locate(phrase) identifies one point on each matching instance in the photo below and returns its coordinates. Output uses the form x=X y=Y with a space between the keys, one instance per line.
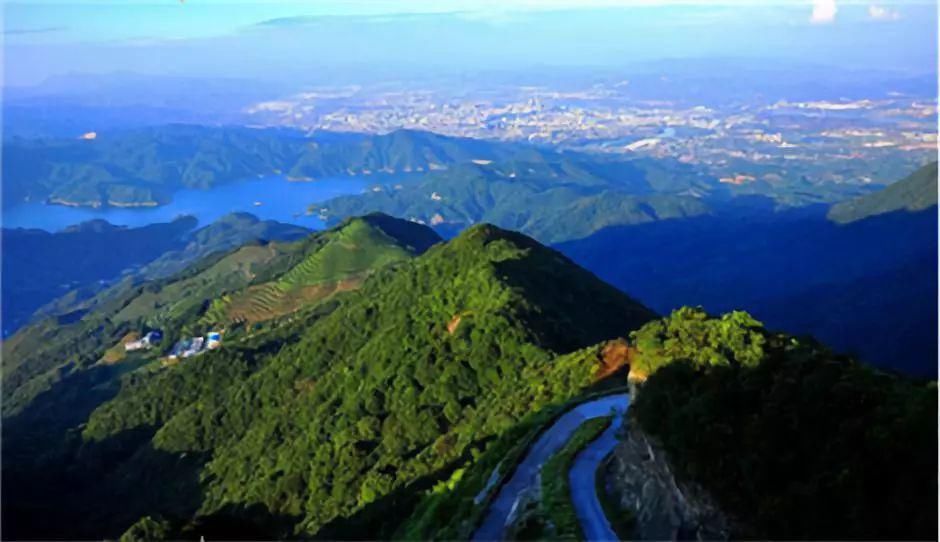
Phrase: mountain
x=145 y=166
x=916 y=192
x=864 y=287
x=350 y=406
x=39 y=266
x=552 y=198
x=305 y=270
x=56 y=271
x=793 y=441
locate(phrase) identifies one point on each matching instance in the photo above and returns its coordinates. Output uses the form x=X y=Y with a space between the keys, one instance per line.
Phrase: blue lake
x=273 y=198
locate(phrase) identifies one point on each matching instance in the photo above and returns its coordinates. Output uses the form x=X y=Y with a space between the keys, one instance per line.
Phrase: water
x=279 y=199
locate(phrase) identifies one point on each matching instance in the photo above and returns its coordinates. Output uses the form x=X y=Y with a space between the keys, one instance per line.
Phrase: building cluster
x=193 y=346
x=798 y=137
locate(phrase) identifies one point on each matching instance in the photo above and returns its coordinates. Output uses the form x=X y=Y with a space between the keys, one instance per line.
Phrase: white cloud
x=824 y=11
x=880 y=13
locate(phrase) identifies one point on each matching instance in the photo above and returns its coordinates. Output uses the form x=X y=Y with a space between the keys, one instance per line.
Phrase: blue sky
x=44 y=38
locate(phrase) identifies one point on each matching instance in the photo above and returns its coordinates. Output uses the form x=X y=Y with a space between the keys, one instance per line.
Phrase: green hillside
x=38 y=355
x=144 y=167
x=358 y=247
x=794 y=441
x=915 y=192
x=170 y=252
x=554 y=200
x=349 y=408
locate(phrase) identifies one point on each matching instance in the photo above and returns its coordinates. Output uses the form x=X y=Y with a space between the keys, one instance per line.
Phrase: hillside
x=144 y=167
x=46 y=351
x=797 y=443
x=556 y=199
x=796 y=270
x=351 y=407
x=916 y=192
x=57 y=271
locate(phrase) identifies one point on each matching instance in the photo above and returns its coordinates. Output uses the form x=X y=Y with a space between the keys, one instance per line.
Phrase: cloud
x=824 y=11
x=880 y=13
x=21 y=31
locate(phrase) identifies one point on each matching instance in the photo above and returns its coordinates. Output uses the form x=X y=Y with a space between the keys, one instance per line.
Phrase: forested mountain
x=261 y=279
x=563 y=197
x=40 y=267
x=383 y=409
x=143 y=167
x=794 y=441
x=916 y=192
x=350 y=405
x=867 y=287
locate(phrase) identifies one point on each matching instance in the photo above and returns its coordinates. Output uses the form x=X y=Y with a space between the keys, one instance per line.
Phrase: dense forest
x=383 y=409
x=352 y=406
x=794 y=440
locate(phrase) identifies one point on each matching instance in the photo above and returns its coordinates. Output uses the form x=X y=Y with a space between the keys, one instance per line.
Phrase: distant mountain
x=40 y=267
x=916 y=192
x=550 y=197
x=353 y=404
x=145 y=166
x=866 y=287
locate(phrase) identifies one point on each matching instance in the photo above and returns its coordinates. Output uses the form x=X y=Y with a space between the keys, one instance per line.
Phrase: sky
x=299 y=39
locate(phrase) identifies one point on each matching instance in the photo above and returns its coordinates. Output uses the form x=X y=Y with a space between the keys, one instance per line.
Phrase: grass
x=557 y=507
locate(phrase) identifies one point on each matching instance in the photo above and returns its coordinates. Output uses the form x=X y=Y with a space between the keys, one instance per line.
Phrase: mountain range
x=53 y=272
x=427 y=359
x=380 y=409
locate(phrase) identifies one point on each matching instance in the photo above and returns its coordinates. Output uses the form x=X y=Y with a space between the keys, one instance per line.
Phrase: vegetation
x=57 y=273
x=335 y=420
x=556 y=506
x=793 y=270
x=916 y=192
x=146 y=166
x=551 y=198
x=801 y=444
x=689 y=334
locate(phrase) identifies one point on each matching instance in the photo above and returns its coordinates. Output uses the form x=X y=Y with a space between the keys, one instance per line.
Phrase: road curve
x=549 y=442
x=587 y=506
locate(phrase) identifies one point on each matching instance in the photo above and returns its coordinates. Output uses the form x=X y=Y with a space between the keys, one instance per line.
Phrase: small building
x=145 y=342
x=195 y=347
x=214 y=340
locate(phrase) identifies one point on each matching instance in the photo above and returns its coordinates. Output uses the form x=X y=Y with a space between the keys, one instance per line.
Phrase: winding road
x=584 y=498
x=587 y=506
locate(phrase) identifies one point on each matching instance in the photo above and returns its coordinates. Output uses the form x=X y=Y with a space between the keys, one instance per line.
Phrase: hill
x=916 y=192
x=42 y=353
x=56 y=271
x=794 y=441
x=145 y=166
x=351 y=407
x=549 y=197
x=863 y=287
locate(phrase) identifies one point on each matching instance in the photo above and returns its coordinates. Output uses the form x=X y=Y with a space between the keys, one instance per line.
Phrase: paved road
x=587 y=507
x=550 y=441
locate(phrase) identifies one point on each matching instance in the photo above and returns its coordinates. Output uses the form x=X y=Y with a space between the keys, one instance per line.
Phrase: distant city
x=738 y=142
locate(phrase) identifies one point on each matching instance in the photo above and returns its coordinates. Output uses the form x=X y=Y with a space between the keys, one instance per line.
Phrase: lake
x=279 y=199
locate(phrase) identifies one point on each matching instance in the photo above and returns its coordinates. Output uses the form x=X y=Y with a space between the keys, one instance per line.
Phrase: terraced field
x=340 y=264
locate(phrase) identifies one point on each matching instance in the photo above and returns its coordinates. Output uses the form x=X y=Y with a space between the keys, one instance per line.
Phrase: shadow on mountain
x=795 y=270
x=56 y=485
x=240 y=522
x=379 y=519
